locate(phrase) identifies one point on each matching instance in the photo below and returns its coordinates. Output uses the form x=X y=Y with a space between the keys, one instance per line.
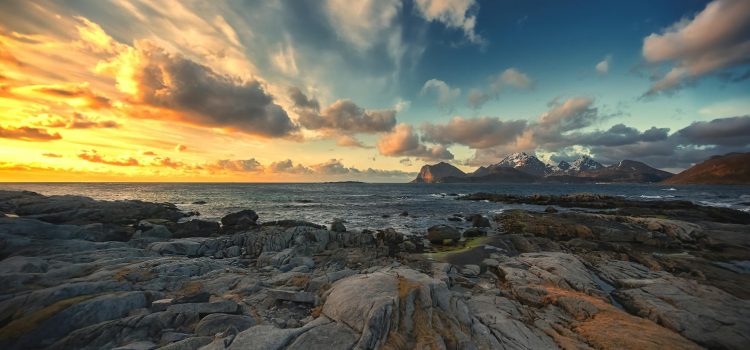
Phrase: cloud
x=73 y=94
x=93 y=157
x=200 y=95
x=511 y=77
x=403 y=141
x=180 y=148
x=26 y=133
x=363 y=23
x=574 y=113
x=79 y=121
x=477 y=98
x=460 y=14
x=446 y=96
x=169 y=163
x=733 y=131
x=603 y=66
x=346 y=117
x=481 y=132
x=149 y=153
x=332 y=167
x=350 y=141
x=52 y=155
x=716 y=38
x=239 y=165
x=287 y=166
x=301 y=101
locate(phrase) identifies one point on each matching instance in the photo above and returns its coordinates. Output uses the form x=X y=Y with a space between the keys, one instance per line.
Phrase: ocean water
x=373 y=206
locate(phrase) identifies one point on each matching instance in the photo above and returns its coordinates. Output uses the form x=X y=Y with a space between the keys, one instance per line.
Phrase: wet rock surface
x=83 y=274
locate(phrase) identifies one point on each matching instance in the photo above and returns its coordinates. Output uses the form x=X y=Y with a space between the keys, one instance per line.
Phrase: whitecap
x=669 y=189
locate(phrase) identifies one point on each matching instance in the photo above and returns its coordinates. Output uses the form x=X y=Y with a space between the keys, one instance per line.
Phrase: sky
x=369 y=90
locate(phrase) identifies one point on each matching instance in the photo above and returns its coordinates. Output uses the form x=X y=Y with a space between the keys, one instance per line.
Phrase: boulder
x=478 y=220
x=474 y=232
x=439 y=233
x=288 y=295
x=196 y=228
x=550 y=210
x=239 y=221
x=338 y=226
x=176 y=247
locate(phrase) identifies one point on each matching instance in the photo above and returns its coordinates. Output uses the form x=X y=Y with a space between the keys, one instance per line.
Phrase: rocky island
x=579 y=271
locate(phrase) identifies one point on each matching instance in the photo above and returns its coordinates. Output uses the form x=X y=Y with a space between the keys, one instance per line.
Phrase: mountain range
x=522 y=167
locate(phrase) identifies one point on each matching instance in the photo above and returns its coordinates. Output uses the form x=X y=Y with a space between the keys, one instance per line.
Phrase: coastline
x=82 y=273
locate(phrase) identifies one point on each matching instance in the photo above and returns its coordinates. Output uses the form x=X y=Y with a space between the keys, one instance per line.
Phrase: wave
x=716 y=204
x=669 y=189
x=656 y=196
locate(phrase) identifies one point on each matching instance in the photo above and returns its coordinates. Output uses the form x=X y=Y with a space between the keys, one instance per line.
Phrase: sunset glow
x=363 y=90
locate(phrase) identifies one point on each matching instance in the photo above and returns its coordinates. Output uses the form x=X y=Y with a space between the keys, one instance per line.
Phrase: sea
x=369 y=205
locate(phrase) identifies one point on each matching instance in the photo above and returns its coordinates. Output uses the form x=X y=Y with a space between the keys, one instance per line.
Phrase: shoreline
x=81 y=273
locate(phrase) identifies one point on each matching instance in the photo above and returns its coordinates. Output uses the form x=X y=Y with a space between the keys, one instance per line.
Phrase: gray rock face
x=23 y=264
x=439 y=233
x=81 y=314
x=705 y=314
x=176 y=247
x=217 y=323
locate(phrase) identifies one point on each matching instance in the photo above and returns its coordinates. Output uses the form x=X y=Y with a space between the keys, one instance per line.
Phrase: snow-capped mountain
x=523 y=162
x=585 y=163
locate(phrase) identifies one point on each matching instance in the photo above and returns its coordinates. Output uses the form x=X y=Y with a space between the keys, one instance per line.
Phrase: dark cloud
x=27 y=133
x=345 y=116
x=733 y=131
x=301 y=101
x=205 y=97
x=476 y=133
x=94 y=157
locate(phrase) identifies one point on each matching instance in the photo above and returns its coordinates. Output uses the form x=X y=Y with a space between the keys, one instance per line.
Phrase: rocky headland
x=584 y=272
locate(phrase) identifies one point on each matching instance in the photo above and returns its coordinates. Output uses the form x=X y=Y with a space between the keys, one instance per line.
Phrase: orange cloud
x=52 y=155
x=27 y=133
x=93 y=157
x=79 y=121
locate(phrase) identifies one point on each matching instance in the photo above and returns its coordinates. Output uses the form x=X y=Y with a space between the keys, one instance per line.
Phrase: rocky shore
x=590 y=272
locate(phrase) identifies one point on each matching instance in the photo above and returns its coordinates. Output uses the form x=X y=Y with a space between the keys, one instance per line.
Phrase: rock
x=297 y=297
x=160 y=305
x=328 y=336
x=705 y=314
x=264 y=337
x=439 y=233
x=216 y=323
x=195 y=228
x=474 y=232
x=23 y=264
x=404 y=213
x=200 y=202
x=224 y=306
x=478 y=220
x=192 y=343
x=148 y=230
x=239 y=221
x=550 y=210
x=138 y=345
x=338 y=226
x=471 y=270
x=200 y=297
x=176 y=247
x=171 y=337
x=72 y=314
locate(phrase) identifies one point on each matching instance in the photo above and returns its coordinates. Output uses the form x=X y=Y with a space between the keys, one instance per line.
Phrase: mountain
x=732 y=168
x=585 y=163
x=525 y=168
x=436 y=172
x=626 y=171
x=520 y=161
x=494 y=174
